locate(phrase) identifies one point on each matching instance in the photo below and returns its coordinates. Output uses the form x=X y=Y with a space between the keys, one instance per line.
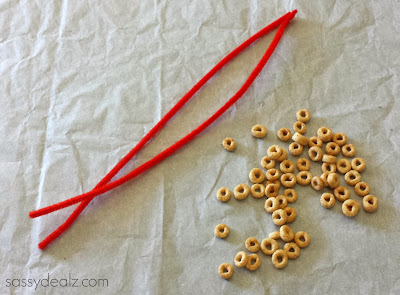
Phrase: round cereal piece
x=253 y=262
x=274 y=151
x=269 y=246
x=224 y=194
x=352 y=177
x=362 y=188
x=324 y=177
x=370 y=203
x=225 y=270
x=290 y=194
x=332 y=149
x=299 y=127
x=300 y=139
x=315 y=153
x=341 y=193
x=284 y=134
x=274 y=235
x=288 y=180
x=279 y=217
x=252 y=244
x=333 y=180
x=292 y=250
x=349 y=150
x=304 y=177
x=302 y=239
x=291 y=214
x=259 y=131
x=221 y=231
x=286 y=166
x=317 y=183
x=350 y=208
x=295 y=149
x=241 y=191
x=286 y=233
x=325 y=134
x=327 y=200
x=267 y=162
x=279 y=258
x=256 y=175
x=343 y=166
x=276 y=182
x=339 y=138
x=241 y=259
x=328 y=167
x=328 y=159
x=283 y=157
x=358 y=164
x=229 y=144
x=271 y=205
x=272 y=174
x=282 y=201
x=271 y=190
x=303 y=164
x=257 y=190
x=303 y=115
x=315 y=141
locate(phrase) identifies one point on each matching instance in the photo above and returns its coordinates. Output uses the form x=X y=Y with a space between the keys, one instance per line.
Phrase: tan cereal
x=221 y=231
x=279 y=217
x=252 y=244
x=286 y=166
x=295 y=149
x=303 y=164
x=299 y=127
x=267 y=162
x=350 y=208
x=327 y=200
x=325 y=134
x=224 y=194
x=352 y=177
x=362 y=188
x=317 y=183
x=253 y=262
x=271 y=190
x=284 y=134
x=303 y=115
x=358 y=164
x=328 y=167
x=279 y=258
x=370 y=203
x=288 y=180
x=282 y=201
x=302 y=239
x=274 y=152
x=286 y=233
x=348 y=150
x=241 y=259
x=225 y=270
x=256 y=175
x=290 y=194
x=333 y=180
x=304 y=177
x=343 y=166
x=315 y=141
x=339 y=138
x=269 y=246
x=241 y=191
x=257 y=190
x=292 y=250
x=229 y=144
x=341 y=193
x=315 y=153
x=271 y=205
x=300 y=139
x=259 y=131
x=332 y=149
x=328 y=159
x=291 y=214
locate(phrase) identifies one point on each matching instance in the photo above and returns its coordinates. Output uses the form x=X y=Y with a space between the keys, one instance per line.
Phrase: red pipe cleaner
x=104 y=185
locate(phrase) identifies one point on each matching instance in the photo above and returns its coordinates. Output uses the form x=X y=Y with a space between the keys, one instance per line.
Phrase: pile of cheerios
x=268 y=183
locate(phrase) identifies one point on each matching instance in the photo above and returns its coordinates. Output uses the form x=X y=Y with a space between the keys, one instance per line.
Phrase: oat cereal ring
x=279 y=258
x=328 y=159
x=286 y=166
x=299 y=127
x=279 y=217
x=256 y=175
x=315 y=153
x=315 y=141
x=341 y=193
x=284 y=134
x=349 y=150
x=325 y=134
x=241 y=259
x=343 y=166
x=274 y=235
x=303 y=164
x=271 y=190
x=276 y=182
x=295 y=149
x=283 y=157
x=317 y=183
x=352 y=177
x=229 y=144
x=362 y=188
x=303 y=115
x=332 y=148
x=324 y=177
x=257 y=190
x=272 y=174
x=302 y=239
x=288 y=180
x=300 y=139
x=252 y=244
x=282 y=201
x=333 y=180
x=253 y=262
x=259 y=131
x=290 y=194
x=223 y=194
x=291 y=214
x=350 y=208
x=328 y=167
x=327 y=200
x=304 y=177
x=225 y=270
x=370 y=203
x=271 y=205
x=267 y=162
x=269 y=246
x=274 y=151
x=221 y=231
x=339 y=138
x=241 y=191
x=292 y=250
x=286 y=233
x=358 y=164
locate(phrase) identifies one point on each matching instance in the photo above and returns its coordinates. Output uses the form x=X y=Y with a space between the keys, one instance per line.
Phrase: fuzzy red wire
x=104 y=185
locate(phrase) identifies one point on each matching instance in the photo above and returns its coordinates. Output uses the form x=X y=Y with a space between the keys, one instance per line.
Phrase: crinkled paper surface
x=83 y=81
